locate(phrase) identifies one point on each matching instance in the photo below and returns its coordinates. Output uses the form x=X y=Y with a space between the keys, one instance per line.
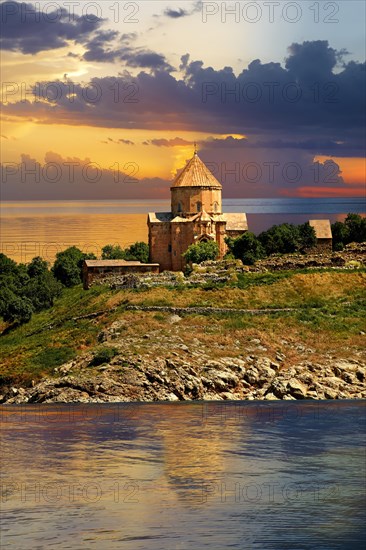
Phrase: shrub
x=352 y=230
x=42 y=291
x=307 y=236
x=283 y=239
x=18 y=310
x=113 y=252
x=246 y=248
x=201 y=252
x=68 y=266
x=138 y=252
x=103 y=355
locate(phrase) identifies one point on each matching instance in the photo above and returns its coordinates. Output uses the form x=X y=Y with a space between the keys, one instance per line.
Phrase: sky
x=105 y=100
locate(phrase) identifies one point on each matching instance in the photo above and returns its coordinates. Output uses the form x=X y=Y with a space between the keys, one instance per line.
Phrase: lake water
x=43 y=228
x=165 y=476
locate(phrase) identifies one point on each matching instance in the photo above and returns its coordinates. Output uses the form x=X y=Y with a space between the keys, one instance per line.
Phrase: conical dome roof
x=196 y=174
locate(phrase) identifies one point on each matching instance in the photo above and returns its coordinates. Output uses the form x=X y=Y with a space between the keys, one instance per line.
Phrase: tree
x=340 y=235
x=356 y=226
x=284 y=239
x=37 y=267
x=138 y=251
x=352 y=230
x=307 y=236
x=113 y=252
x=246 y=248
x=18 y=310
x=43 y=290
x=200 y=252
x=68 y=266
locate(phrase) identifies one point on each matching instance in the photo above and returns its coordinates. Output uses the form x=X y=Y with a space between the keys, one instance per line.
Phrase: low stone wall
x=225 y=271
x=100 y=275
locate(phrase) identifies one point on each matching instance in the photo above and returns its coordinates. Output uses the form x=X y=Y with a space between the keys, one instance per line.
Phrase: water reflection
x=185 y=475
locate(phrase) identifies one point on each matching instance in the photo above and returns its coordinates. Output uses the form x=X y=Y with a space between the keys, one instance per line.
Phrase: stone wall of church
x=160 y=245
x=185 y=200
x=182 y=238
x=220 y=238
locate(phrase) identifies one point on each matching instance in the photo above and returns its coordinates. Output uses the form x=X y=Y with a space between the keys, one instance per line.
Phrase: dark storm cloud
x=96 y=47
x=175 y=14
x=29 y=30
x=298 y=106
x=176 y=142
x=145 y=58
x=110 y=46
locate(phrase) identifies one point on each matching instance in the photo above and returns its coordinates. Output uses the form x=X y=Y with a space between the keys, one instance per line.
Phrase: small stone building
x=97 y=270
x=196 y=216
x=323 y=233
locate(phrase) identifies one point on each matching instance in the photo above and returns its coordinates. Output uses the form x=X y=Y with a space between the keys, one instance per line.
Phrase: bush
x=113 y=252
x=42 y=291
x=201 y=252
x=356 y=228
x=18 y=310
x=307 y=236
x=352 y=230
x=37 y=267
x=246 y=248
x=283 y=239
x=68 y=266
x=103 y=355
x=138 y=252
x=25 y=288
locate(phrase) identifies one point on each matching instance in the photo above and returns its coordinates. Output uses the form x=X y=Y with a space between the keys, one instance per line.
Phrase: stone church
x=196 y=216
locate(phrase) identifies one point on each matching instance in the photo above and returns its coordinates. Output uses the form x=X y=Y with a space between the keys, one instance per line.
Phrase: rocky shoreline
x=254 y=378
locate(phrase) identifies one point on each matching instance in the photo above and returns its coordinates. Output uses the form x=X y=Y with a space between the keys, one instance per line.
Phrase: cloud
x=176 y=142
x=29 y=30
x=145 y=58
x=110 y=47
x=176 y=14
x=273 y=106
x=119 y=141
x=60 y=177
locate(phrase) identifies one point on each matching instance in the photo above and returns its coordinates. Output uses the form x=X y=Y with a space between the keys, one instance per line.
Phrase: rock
x=297 y=389
x=183 y=347
x=172 y=397
x=251 y=375
x=360 y=373
x=270 y=397
x=174 y=319
x=350 y=378
x=278 y=387
x=330 y=393
x=332 y=381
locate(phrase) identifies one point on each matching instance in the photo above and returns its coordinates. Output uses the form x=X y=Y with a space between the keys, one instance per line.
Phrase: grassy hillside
x=328 y=318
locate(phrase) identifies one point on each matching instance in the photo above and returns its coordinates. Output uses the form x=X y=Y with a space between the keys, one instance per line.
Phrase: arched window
x=199 y=206
x=179 y=207
x=216 y=207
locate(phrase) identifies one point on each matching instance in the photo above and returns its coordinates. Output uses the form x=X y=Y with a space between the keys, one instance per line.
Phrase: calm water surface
x=239 y=475
x=43 y=228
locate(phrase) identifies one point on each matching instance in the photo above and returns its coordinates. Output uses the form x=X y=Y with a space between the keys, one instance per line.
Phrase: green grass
x=329 y=307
